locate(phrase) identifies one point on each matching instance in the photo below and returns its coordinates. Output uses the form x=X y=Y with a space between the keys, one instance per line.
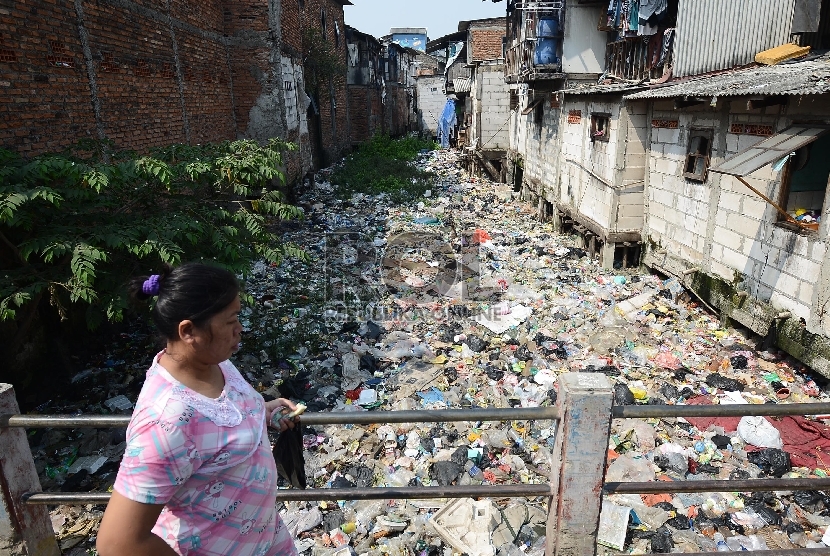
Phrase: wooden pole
x=773 y=203
x=24 y=529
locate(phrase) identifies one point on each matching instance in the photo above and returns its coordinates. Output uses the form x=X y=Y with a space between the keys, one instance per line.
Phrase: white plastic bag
x=759 y=432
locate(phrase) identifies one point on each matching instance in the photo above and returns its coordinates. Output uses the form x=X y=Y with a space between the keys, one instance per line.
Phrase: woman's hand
x=280 y=406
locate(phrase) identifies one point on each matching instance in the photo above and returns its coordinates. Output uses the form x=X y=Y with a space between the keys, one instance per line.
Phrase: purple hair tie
x=151 y=285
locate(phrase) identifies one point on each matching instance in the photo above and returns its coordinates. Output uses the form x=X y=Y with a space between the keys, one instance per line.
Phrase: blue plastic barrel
x=547 y=27
x=545 y=52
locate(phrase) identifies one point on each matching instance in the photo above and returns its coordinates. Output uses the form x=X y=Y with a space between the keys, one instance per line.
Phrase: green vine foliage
x=320 y=61
x=75 y=226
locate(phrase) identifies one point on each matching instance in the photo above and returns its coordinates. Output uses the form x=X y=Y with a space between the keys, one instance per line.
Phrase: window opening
x=108 y=63
x=61 y=56
x=142 y=68
x=600 y=127
x=6 y=54
x=804 y=182
x=539 y=113
x=697 y=154
x=168 y=71
x=323 y=23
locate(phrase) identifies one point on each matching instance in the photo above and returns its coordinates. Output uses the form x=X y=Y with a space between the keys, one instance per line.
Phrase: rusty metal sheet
x=770 y=150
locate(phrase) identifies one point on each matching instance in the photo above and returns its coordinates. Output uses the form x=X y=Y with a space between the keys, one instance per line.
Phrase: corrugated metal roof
x=462 y=84
x=770 y=150
x=718 y=34
x=799 y=78
x=604 y=89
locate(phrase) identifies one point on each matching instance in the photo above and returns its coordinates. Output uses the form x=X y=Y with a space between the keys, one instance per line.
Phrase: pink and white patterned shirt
x=209 y=462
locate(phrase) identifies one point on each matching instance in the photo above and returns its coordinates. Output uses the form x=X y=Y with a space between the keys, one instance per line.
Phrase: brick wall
x=149 y=77
x=486 y=44
x=332 y=102
x=42 y=78
x=152 y=72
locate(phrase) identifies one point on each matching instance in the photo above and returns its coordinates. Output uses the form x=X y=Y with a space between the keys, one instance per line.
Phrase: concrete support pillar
x=607 y=255
x=24 y=530
x=556 y=219
x=578 y=464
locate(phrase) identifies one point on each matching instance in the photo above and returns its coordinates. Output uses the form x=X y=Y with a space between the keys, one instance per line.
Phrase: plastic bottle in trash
x=721 y=543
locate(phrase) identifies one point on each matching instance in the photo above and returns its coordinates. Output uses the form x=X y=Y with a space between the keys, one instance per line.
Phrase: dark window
x=600 y=127
x=697 y=154
x=323 y=23
x=539 y=113
x=804 y=182
x=301 y=4
x=514 y=100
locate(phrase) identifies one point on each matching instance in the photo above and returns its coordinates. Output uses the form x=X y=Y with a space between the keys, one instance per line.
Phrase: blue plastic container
x=545 y=52
x=547 y=27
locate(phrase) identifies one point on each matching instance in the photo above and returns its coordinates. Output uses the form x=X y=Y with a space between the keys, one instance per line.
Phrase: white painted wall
x=583 y=47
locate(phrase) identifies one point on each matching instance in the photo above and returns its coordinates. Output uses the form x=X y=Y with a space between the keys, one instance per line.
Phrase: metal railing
x=313 y=419
x=519 y=66
x=584 y=401
x=628 y=59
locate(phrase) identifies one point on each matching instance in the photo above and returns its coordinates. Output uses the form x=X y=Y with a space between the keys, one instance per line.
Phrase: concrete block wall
x=590 y=166
x=678 y=208
x=491 y=99
x=429 y=92
x=537 y=145
x=725 y=228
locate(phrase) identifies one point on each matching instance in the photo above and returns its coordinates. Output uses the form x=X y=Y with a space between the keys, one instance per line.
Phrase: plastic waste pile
x=463 y=299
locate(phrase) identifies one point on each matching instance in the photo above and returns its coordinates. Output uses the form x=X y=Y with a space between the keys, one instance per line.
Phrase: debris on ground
x=464 y=299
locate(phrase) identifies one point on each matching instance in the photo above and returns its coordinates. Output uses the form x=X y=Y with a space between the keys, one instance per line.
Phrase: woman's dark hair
x=192 y=291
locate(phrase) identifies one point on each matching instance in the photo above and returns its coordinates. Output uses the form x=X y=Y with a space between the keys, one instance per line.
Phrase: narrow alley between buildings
x=627 y=193
x=460 y=299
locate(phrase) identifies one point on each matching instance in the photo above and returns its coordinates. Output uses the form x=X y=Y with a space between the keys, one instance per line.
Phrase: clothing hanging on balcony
x=668 y=39
x=626 y=17
x=651 y=14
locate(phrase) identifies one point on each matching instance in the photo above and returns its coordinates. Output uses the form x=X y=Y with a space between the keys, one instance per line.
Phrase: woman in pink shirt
x=198 y=477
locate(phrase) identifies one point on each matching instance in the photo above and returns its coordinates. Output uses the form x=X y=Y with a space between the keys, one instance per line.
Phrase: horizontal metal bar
x=333 y=418
x=721 y=410
x=64 y=421
x=432 y=416
x=313 y=494
x=748 y=485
